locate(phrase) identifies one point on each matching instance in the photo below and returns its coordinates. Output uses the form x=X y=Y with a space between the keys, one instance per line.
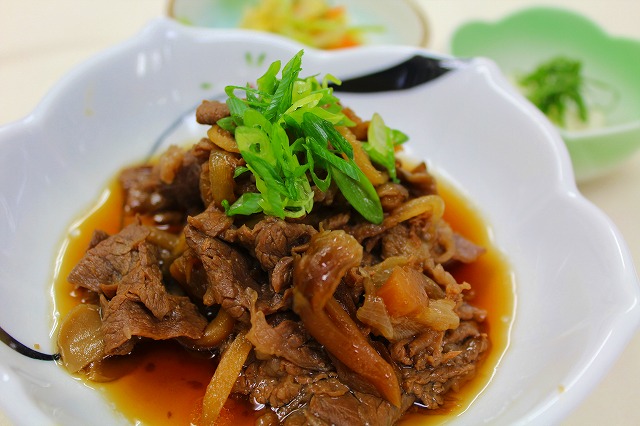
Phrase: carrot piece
x=403 y=293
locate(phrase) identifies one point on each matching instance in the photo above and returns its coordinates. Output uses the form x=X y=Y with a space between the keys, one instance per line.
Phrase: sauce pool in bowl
x=161 y=383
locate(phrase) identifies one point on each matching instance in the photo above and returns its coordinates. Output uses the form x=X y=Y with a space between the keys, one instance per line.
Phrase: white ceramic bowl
x=576 y=289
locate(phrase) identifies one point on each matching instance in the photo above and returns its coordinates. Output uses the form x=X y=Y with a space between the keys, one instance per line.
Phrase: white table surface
x=41 y=40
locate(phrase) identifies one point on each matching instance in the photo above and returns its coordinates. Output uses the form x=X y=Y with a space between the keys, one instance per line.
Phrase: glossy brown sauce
x=162 y=384
x=493 y=286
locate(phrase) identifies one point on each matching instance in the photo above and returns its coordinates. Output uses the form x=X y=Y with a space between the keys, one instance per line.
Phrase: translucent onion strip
x=373 y=313
x=223 y=379
x=80 y=337
x=223 y=139
x=221 y=169
x=375 y=176
x=216 y=332
x=433 y=204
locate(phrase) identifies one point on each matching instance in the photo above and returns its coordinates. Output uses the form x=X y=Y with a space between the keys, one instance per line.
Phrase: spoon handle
x=414 y=71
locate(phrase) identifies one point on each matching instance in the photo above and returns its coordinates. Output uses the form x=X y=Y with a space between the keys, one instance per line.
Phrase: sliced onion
x=80 y=338
x=221 y=169
x=440 y=315
x=432 y=204
x=169 y=163
x=224 y=378
x=375 y=176
x=316 y=275
x=223 y=139
x=373 y=313
x=215 y=333
x=379 y=273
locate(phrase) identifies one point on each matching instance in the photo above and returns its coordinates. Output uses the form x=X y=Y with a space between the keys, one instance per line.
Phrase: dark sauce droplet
x=194 y=384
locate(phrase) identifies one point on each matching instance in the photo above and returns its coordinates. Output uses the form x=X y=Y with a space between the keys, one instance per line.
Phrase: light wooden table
x=42 y=40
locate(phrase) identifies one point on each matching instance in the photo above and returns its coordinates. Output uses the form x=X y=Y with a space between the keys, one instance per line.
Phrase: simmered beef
x=170 y=187
x=302 y=397
x=419 y=181
x=431 y=377
x=392 y=195
x=209 y=112
x=229 y=273
x=110 y=260
x=124 y=320
x=143 y=283
x=285 y=386
x=124 y=270
x=273 y=239
x=354 y=408
x=465 y=250
x=211 y=222
x=328 y=319
x=288 y=340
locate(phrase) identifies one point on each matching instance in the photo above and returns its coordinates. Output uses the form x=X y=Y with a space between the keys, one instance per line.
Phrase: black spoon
x=413 y=72
x=7 y=339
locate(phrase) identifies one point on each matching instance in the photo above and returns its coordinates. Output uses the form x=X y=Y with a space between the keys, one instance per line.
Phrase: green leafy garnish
x=286 y=132
x=381 y=144
x=554 y=86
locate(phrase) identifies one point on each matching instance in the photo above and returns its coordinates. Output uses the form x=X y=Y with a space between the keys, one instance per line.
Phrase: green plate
x=522 y=41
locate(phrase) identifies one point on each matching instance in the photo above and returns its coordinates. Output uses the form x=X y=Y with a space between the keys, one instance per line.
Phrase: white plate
x=394 y=22
x=577 y=292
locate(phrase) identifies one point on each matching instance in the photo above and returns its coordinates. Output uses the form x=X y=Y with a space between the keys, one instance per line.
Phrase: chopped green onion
x=381 y=146
x=285 y=131
x=554 y=85
x=360 y=193
x=247 y=204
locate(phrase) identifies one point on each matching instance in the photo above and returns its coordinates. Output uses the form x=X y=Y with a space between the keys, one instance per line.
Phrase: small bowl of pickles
x=584 y=80
x=322 y=24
